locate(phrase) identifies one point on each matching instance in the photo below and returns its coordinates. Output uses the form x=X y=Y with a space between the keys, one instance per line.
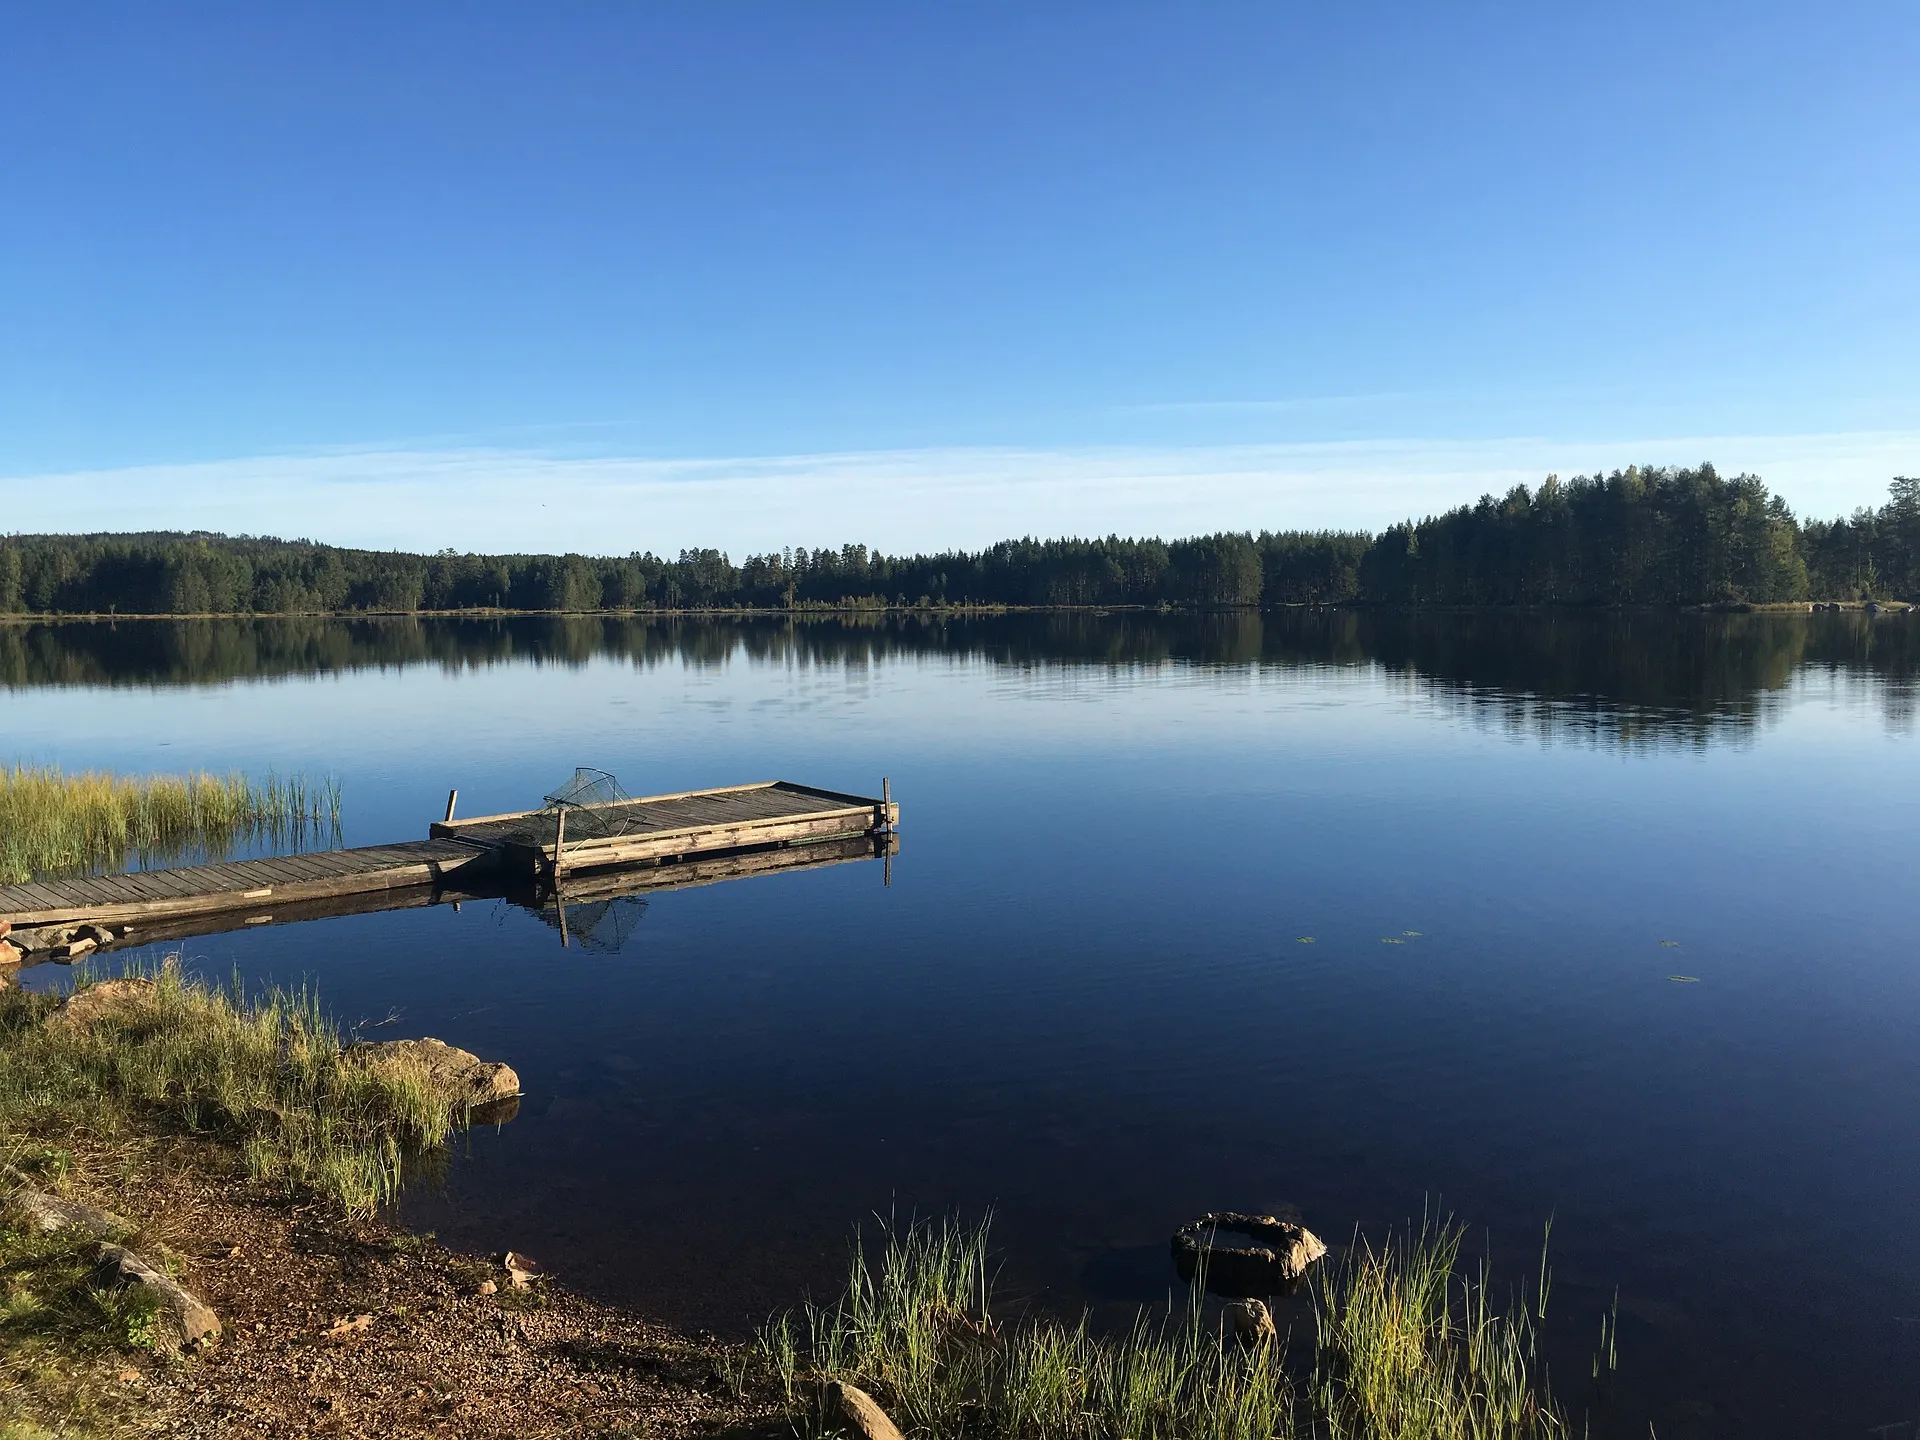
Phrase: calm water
x=1083 y=999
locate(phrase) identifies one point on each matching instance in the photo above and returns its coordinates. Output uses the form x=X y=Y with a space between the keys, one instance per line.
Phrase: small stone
x=1251 y=1322
x=74 y=949
x=129 y=1377
x=521 y=1272
x=185 y=1320
x=858 y=1412
x=487 y=1287
x=345 y=1329
x=10 y=953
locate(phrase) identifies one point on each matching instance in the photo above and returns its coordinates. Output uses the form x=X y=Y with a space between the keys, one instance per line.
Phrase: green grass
x=265 y=1074
x=1407 y=1349
x=52 y=821
x=62 y=1335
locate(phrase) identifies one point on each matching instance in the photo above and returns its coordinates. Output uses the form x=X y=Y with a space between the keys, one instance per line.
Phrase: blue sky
x=655 y=275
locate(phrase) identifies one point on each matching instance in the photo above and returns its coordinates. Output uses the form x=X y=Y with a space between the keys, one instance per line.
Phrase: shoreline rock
x=859 y=1412
x=183 y=1320
x=49 y=1213
x=455 y=1072
x=102 y=998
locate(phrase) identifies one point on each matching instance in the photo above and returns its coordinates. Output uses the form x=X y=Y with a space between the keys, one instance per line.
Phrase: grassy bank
x=268 y=1075
x=53 y=821
x=1407 y=1348
x=1404 y=1346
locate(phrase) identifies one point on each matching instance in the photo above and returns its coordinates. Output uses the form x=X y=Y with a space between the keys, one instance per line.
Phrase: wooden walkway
x=487 y=852
x=237 y=885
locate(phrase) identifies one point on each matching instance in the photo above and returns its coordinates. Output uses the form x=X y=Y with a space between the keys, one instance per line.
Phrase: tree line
x=1639 y=536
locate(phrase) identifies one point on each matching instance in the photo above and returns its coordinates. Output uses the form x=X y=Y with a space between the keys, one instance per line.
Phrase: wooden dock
x=672 y=827
x=487 y=854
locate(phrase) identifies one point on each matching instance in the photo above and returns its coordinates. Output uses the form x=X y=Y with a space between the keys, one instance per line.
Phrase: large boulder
x=464 y=1078
x=46 y=1213
x=181 y=1319
x=1245 y=1254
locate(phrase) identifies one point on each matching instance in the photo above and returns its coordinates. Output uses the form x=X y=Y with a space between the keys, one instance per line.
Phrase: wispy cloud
x=515 y=499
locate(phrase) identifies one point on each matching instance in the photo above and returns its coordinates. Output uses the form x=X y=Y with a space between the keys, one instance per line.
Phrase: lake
x=1362 y=914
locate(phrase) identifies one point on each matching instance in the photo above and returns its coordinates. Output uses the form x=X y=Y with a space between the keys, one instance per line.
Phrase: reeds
x=266 y=1074
x=52 y=821
x=1410 y=1349
x=1406 y=1350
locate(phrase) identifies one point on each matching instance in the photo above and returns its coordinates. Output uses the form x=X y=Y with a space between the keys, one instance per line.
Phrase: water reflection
x=1618 y=677
x=1084 y=1005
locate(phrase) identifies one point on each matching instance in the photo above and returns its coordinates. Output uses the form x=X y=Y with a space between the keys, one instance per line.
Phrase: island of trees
x=1639 y=536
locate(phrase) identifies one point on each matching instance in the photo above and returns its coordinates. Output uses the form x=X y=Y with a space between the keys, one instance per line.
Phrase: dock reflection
x=596 y=911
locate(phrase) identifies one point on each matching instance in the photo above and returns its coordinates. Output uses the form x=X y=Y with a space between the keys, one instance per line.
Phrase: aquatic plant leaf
x=1304 y=940
x=1684 y=979
x=1671 y=944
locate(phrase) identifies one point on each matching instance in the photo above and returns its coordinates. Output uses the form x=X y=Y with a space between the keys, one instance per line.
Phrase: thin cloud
x=500 y=499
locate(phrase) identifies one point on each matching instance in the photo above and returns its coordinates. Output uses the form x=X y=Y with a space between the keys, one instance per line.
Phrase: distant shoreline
x=835 y=612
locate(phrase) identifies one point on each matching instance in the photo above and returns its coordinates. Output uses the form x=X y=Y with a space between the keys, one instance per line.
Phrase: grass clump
x=52 y=821
x=62 y=1334
x=1407 y=1349
x=267 y=1075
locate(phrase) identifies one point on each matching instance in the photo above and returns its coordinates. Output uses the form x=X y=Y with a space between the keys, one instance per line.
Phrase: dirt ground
x=340 y=1329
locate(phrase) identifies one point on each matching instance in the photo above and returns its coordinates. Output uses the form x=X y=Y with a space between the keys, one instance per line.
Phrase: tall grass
x=267 y=1074
x=1407 y=1349
x=1410 y=1348
x=54 y=821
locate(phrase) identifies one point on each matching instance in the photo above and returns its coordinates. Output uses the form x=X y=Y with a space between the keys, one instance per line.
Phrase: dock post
x=886 y=803
x=452 y=795
x=559 y=840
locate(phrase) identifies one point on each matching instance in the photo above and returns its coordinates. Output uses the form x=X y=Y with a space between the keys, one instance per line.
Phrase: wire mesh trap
x=595 y=805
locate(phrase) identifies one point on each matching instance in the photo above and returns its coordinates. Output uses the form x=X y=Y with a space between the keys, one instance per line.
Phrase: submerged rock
x=1250 y=1322
x=462 y=1077
x=181 y=1319
x=1245 y=1254
x=49 y=1213
x=857 y=1411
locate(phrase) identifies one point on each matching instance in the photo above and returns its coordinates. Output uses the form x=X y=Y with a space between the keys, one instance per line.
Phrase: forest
x=1639 y=536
